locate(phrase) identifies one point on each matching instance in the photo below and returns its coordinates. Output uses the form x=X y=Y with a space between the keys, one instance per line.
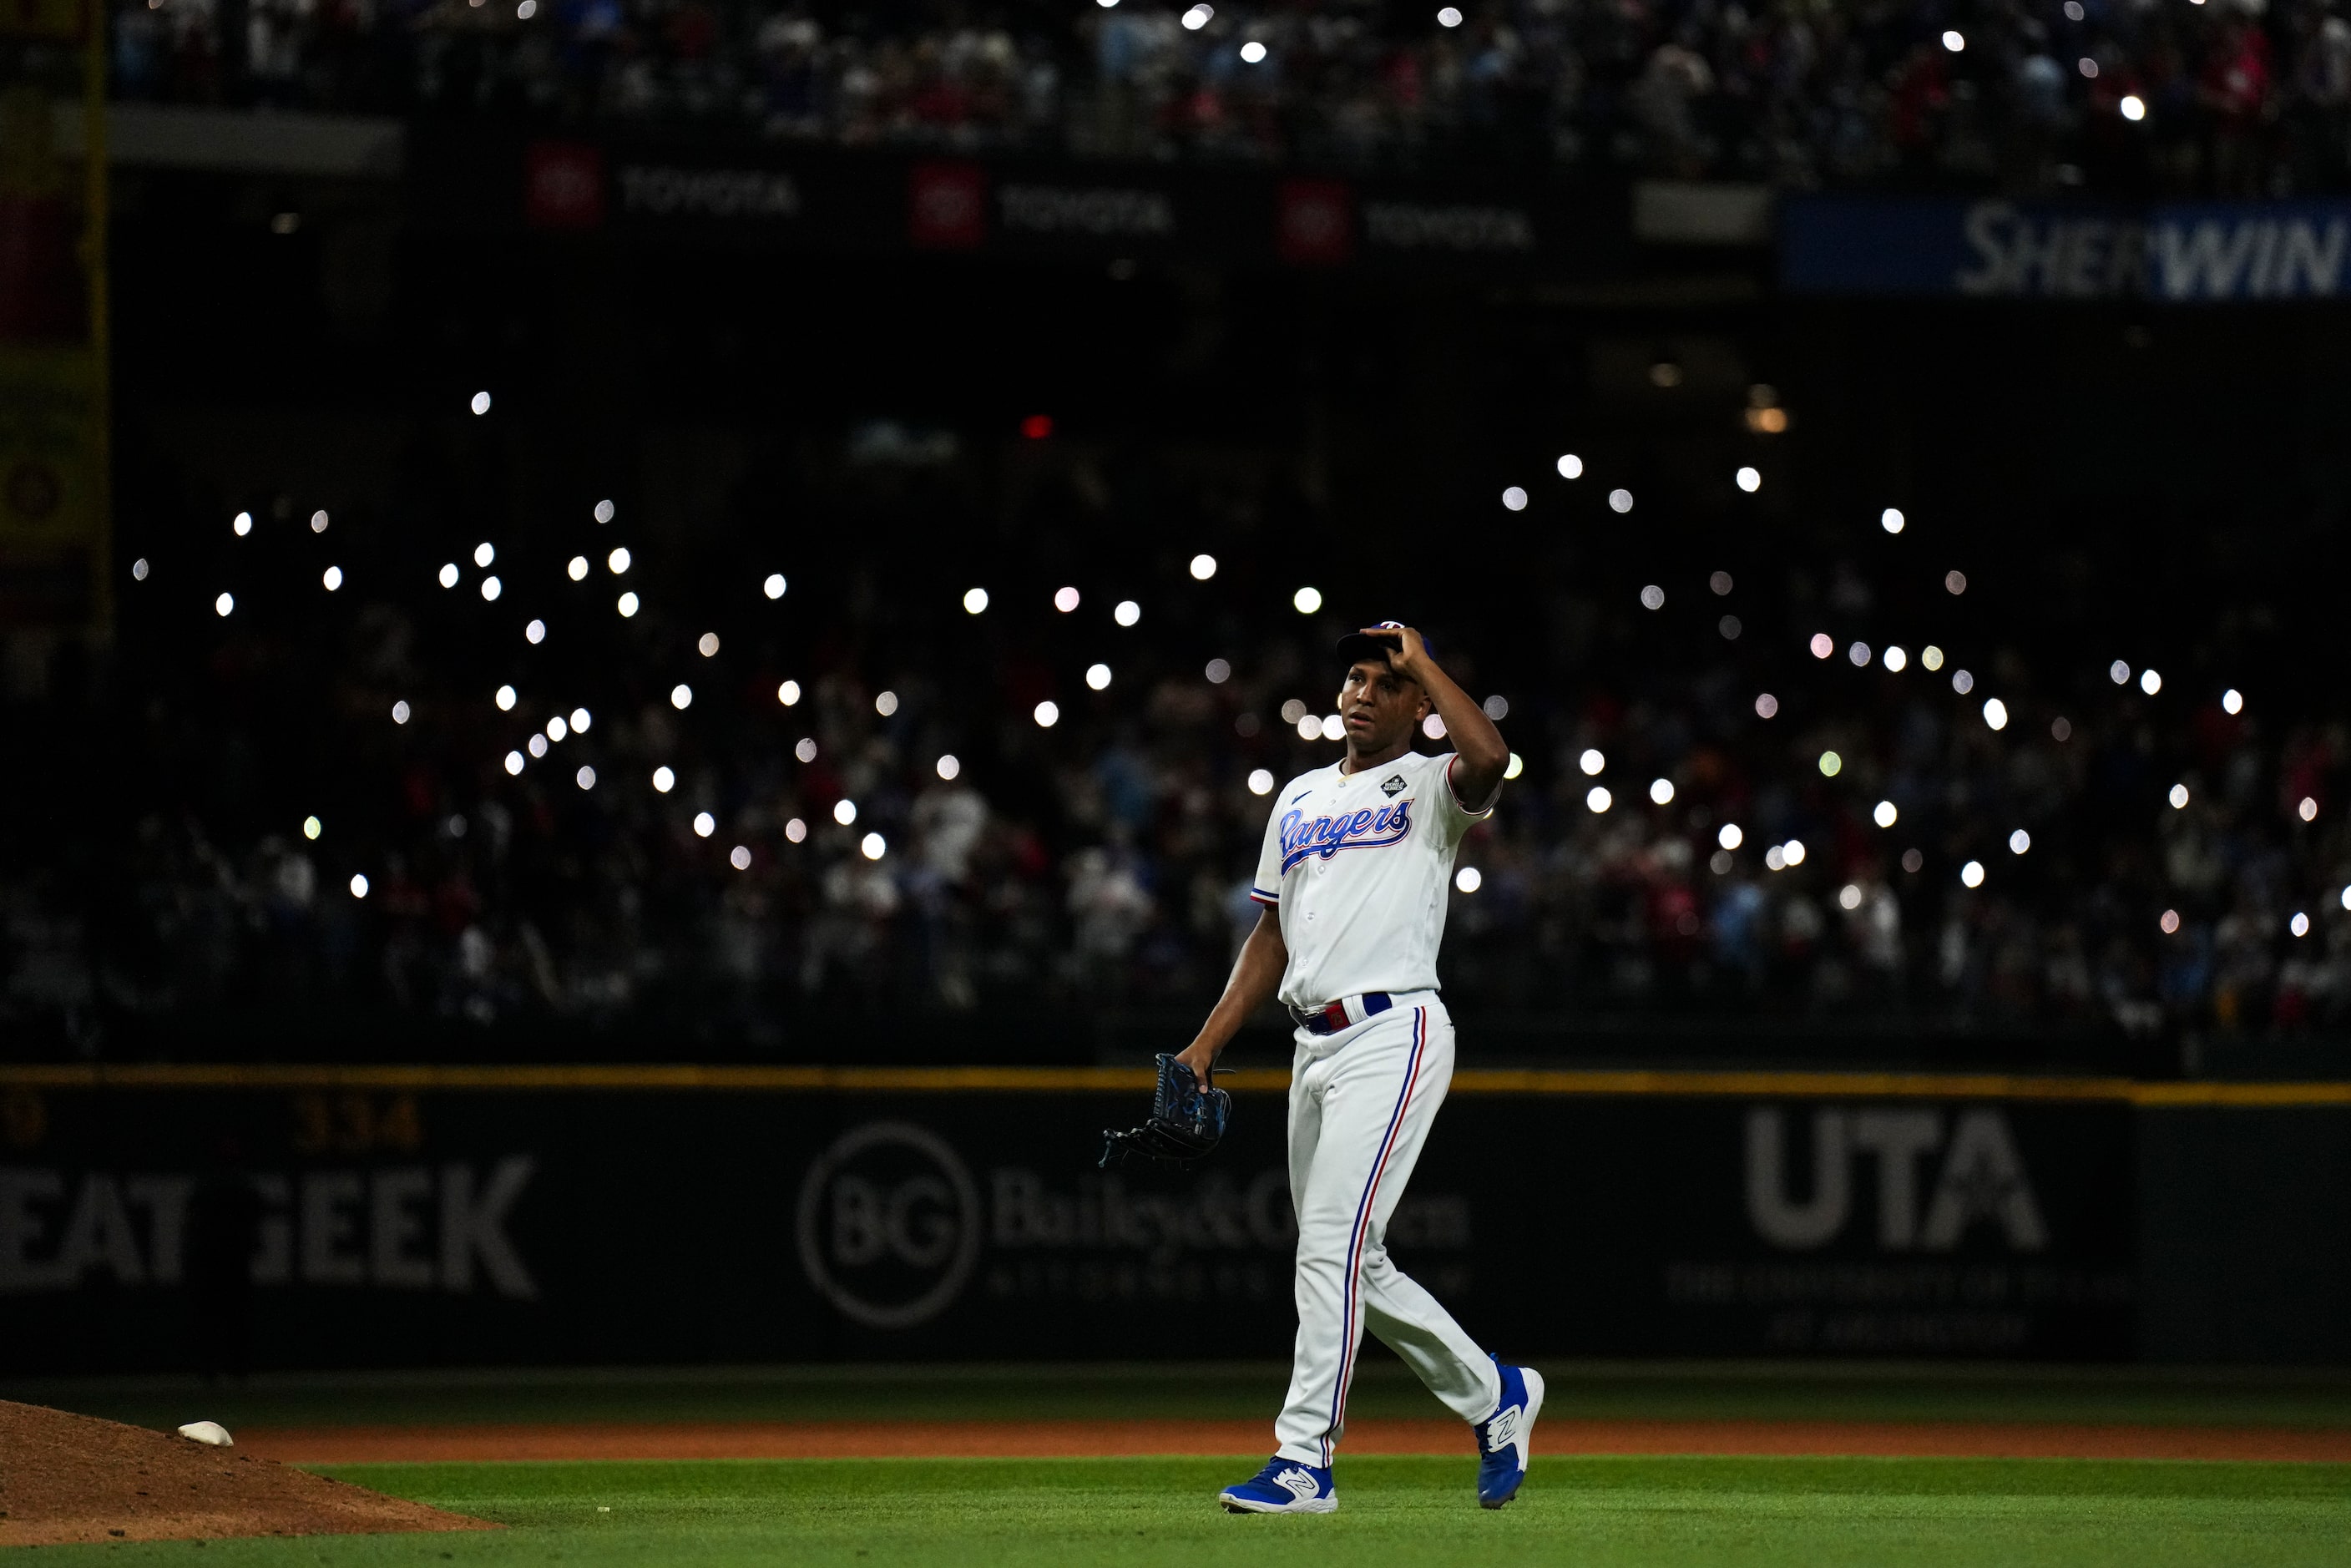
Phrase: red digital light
x=1037 y=426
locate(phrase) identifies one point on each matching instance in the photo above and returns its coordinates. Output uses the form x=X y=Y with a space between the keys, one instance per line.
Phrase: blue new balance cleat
x=1284 y=1486
x=1503 y=1437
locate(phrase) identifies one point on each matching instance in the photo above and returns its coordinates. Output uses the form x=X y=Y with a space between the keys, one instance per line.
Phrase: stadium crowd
x=537 y=806
x=2217 y=97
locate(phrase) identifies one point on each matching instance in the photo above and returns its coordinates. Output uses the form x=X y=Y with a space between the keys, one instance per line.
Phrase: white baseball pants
x=1361 y=1102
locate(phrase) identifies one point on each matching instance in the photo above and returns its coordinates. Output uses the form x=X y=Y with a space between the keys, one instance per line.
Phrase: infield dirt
x=826 y=1440
x=67 y=1478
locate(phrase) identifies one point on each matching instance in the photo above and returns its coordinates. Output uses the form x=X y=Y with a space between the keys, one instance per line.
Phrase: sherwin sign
x=2184 y=254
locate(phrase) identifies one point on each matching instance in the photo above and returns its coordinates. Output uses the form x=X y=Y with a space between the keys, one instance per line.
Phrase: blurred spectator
x=2228 y=97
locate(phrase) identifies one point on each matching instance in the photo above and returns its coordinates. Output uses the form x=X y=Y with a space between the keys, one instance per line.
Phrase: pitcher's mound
x=72 y=1478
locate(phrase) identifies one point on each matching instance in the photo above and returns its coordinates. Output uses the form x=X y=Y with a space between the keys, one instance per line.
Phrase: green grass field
x=1395 y=1513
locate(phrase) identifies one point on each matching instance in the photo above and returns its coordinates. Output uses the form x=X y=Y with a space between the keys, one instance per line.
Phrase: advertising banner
x=2183 y=253
x=153 y=1229
x=877 y=202
x=53 y=406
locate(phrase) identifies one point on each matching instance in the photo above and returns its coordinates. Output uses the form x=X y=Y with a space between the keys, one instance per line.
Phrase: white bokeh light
x=664 y=781
x=1995 y=712
x=1469 y=879
x=872 y=846
x=681 y=697
x=1204 y=567
x=1598 y=798
x=1306 y=601
x=1098 y=677
x=774 y=587
x=789 y=694
x=948 y=766
x=1751 y=480
x=1127 y=613
x=1886 y=814
x=1891 y=519
x=1729 y=837
x=705 y=824
x=1066 y=600
x=1047 y=714
x=1569 y=465
x=1971 y=874
x=1260 y=781
x=844 y=810
x=1515 y=499
x=1661 y=792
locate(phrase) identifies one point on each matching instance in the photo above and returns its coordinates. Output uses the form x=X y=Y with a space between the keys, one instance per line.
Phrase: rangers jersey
x=1359 y=865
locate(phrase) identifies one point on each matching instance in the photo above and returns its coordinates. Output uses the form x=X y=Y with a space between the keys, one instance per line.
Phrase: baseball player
x=1353 y=878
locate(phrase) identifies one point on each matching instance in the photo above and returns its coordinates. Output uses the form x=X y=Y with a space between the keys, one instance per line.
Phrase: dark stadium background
x=384 y=1092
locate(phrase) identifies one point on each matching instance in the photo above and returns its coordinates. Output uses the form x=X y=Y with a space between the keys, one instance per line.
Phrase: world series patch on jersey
x=1358 y=866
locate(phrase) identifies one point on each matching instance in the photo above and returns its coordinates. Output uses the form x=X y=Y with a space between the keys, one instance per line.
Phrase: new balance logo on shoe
x=1297 y=1482
x=1504 y=1429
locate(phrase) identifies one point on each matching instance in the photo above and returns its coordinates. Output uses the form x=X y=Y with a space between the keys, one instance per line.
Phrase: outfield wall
x=160 y=1218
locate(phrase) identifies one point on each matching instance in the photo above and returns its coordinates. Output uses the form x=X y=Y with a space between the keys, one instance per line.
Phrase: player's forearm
x=1480 y=747
x=1256 y=973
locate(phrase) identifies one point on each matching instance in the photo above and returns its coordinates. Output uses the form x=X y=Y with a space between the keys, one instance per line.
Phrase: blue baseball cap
x=1360 y=645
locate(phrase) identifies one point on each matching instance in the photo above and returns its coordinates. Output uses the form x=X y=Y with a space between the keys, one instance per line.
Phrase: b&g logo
x=889 y=1225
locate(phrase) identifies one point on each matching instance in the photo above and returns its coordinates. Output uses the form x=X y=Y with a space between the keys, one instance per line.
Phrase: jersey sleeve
x=1455 y=819
x=1265 y=887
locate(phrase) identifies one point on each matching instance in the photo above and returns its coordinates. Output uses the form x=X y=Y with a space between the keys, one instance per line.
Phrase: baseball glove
x=1188 y=1118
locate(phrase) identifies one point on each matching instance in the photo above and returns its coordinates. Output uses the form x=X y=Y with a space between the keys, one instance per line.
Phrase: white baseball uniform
x=1358 y=867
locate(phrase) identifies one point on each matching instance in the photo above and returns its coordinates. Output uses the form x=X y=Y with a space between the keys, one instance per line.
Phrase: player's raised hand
x=1411 y=650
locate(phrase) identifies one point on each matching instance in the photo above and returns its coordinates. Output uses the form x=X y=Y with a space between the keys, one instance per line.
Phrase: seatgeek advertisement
x=168 y=1228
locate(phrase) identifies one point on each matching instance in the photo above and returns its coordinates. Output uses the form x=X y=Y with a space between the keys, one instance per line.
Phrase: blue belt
x=1332 y=1016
